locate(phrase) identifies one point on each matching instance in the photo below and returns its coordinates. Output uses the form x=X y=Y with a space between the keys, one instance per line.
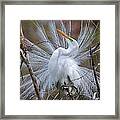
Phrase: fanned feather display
x=78 y=79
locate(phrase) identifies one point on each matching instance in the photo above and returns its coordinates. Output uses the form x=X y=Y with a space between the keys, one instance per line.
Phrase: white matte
x=15 y=13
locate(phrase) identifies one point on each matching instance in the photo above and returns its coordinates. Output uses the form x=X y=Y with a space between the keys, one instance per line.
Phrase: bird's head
x=71 y=41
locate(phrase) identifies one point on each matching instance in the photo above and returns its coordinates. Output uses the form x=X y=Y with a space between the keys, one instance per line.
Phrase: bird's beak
x=65 y=35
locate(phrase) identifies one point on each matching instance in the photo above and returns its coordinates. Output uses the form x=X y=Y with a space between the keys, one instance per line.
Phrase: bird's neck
x=73 y=48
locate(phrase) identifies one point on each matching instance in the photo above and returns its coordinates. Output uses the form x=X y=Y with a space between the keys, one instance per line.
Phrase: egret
x=59 y=59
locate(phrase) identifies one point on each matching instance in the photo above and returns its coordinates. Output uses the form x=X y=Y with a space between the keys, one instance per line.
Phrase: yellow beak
x=65 y=35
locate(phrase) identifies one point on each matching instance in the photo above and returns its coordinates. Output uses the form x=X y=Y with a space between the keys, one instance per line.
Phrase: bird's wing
x=62 y=40
x=81 y=57
x=38 y=60
x=86 y=82
x=87 y=34
x=56 y=39
x=86 y=39
x=39 y=43
x=36 y=56
x=27 y=90
x=36 y=33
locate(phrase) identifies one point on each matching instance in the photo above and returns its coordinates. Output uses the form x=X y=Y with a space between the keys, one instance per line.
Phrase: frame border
x=2 y=60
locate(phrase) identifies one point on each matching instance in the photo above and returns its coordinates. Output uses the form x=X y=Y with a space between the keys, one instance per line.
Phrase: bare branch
x=98 y=88
x=34 y=81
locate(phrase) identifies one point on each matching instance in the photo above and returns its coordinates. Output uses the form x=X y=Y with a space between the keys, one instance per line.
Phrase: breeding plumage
x=57 y=60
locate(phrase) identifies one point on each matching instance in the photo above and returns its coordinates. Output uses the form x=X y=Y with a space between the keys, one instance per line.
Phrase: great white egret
x=52 y=64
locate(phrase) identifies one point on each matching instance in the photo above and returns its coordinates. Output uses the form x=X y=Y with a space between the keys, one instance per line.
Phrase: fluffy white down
x=61 y=66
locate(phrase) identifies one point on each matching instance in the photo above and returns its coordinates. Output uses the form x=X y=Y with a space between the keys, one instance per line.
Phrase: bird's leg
x=69 y=90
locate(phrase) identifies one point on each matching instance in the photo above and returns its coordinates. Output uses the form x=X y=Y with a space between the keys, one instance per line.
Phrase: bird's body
x=63 y=65
x=60 y=67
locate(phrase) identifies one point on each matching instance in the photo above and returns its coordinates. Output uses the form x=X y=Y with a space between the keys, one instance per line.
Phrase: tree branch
x=34 y=81
x=98 y=88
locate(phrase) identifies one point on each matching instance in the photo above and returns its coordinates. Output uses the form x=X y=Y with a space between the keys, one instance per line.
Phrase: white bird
x=52 y=64
x=62 y=64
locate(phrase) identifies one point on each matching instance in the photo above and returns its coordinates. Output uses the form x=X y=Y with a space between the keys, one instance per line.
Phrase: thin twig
x=96 y=47
x=70 y=28
x=56 y=96
x=98 y=88
x=21 y=68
